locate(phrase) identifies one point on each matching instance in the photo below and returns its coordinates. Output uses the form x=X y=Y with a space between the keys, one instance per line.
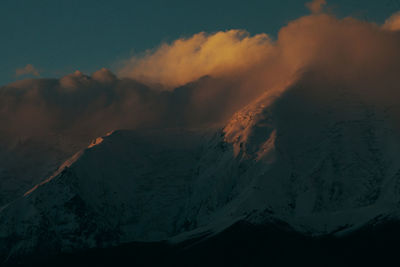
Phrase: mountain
x=46 y=121
x=305 y=163
x=322 y=165
x=125 y=186
x=25 y=161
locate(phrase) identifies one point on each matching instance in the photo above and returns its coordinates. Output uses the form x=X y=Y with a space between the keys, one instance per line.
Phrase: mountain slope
x=321 y=161
x=27 y=161
x=126 y=186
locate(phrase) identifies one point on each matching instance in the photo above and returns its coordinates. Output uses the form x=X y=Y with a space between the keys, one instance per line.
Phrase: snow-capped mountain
x=321 y=162
x=319 y=166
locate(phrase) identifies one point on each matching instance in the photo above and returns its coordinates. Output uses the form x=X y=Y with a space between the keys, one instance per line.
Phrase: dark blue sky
x=58 y=37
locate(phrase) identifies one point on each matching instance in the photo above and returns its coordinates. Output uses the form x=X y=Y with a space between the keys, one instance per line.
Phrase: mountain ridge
x=323 y=166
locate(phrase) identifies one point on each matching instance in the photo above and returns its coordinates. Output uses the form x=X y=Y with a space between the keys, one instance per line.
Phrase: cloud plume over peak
x=189 y=59
x=208 y=77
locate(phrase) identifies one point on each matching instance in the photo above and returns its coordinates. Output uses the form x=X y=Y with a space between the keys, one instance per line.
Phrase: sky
x=51 y=38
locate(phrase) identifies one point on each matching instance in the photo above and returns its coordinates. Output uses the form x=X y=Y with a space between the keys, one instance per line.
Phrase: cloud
x=104 y=76
x=393 y=23
x=28 y=69
x=208 y=78
x=316 y=6
x=202 y=54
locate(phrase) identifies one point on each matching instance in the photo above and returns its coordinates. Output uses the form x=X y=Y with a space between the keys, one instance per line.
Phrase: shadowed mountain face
x=312 y=168
x=45 y=122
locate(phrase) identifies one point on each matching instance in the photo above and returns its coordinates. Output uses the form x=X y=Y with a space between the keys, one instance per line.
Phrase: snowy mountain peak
x=318 y=161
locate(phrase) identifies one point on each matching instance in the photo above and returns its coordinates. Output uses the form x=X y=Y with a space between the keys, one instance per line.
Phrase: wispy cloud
x=393 y=23
x=316 y=6
x=29 y=69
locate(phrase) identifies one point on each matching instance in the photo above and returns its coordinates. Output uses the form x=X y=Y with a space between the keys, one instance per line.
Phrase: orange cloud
x=393 y=23
x=235 y=68
x=316 y=6
x=189 y=59
x=28 y=69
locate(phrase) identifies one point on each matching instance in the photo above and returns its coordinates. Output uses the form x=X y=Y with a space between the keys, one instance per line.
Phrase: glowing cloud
x=189 y=59
x=316 y=6
x=209 y=77
x=393 y=23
